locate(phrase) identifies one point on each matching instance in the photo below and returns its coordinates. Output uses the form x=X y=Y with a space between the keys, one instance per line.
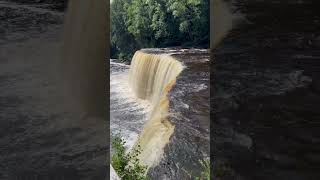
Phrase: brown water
x=39 y=137
x=83 y=64
x=173 y=123
x=152 y=76
x=221 y=21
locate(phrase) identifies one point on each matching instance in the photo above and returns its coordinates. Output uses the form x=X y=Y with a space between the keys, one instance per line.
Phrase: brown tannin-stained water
x=170 y=119
x=39 y=138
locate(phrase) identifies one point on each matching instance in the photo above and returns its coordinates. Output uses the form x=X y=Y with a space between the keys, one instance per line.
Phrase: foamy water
x=175 y=136
x=127 y=113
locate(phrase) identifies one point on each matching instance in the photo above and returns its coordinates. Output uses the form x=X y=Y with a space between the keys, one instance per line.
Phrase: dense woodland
x=137 y=24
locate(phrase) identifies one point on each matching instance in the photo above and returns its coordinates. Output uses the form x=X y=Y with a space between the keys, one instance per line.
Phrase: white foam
x=200 y=87
x=126 y=103
x=118 y=64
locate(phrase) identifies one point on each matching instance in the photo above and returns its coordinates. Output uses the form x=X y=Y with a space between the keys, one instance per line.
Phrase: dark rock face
x=265 y=91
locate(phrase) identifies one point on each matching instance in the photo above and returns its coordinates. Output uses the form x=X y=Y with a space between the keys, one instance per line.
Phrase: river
x=188 y=113
x=39 y=139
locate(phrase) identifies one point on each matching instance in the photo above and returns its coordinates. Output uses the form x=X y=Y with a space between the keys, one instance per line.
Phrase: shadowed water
x=39 y=139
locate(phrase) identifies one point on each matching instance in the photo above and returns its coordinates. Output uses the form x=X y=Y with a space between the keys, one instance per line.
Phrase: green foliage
x=146 y=21
x=121 y=40
x=192 y=17
x=223 y=169
x=138 y=24
x=125 y=164
x=205 y=174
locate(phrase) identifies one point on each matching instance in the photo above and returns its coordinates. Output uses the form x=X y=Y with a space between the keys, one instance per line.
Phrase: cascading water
x=127 y=112
x=40 y=138
x=83 y=64
x=161 y=102
x=152 y=77
x=151 y=73
x=221 y=21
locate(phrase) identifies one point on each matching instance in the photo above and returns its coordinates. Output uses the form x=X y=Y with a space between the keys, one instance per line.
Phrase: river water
x=38 y=138
x=127 y=113
x=189 y=108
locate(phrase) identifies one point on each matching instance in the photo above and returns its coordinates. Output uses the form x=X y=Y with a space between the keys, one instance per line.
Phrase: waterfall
x=221 y=21
x=152 y=76
x=83 y=65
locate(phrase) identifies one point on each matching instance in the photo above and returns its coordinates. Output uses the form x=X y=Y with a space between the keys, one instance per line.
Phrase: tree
x=192 y=17
x=139 y=24
x=122 y=42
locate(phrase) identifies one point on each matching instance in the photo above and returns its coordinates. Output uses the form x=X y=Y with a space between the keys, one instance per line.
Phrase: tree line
x=137 y=24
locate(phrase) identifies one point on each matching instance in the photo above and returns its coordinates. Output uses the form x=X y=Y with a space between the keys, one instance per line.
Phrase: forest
x=137 y=24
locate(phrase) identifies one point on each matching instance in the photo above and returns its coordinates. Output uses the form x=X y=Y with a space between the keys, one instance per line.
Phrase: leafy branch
x=127 y=165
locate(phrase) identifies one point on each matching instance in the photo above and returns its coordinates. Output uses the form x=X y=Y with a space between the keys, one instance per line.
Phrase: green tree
x=139 y=24
x=192 y=17
x=123 y=43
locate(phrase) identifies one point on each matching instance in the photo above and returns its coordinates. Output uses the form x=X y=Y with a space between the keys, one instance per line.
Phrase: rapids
x=161 y=102
x=152 y=76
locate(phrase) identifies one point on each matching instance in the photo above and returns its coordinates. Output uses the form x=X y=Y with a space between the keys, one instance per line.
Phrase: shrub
x=205 y=174
x=127 y=165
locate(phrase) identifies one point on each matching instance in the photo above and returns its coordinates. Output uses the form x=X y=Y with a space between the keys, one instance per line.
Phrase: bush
x=127 y=165
x=205 y=174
